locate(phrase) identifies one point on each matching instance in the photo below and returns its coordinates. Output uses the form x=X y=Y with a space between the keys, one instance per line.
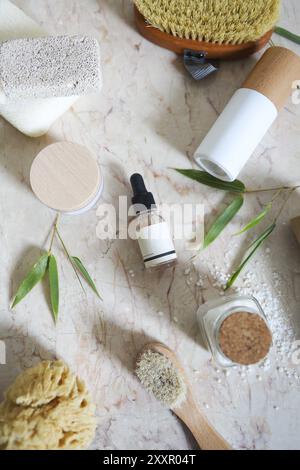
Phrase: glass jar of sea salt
x=235 y=329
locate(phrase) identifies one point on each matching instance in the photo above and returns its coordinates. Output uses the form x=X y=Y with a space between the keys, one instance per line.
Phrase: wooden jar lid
x=66 y=177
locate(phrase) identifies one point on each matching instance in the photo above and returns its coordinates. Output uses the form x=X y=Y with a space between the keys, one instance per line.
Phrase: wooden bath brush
x=161 y=373
x=222 y=29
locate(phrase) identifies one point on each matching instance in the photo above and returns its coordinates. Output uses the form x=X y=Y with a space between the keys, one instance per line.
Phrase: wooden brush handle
x=204 y=433
x=189 y=413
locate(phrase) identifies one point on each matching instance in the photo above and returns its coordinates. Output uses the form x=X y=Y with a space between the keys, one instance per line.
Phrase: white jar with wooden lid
x=235 y=330
x=66 y=178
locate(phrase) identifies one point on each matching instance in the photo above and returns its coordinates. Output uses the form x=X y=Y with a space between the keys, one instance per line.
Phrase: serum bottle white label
x=156 y=244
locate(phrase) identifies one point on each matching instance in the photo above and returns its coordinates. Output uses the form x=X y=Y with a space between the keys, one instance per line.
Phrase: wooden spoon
x=188 y=411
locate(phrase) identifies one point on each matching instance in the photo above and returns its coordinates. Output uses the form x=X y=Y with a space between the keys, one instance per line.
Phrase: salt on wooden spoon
x=161 y=373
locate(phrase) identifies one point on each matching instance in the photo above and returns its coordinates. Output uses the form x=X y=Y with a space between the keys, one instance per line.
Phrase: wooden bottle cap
x=66 y=177
x=274 y=74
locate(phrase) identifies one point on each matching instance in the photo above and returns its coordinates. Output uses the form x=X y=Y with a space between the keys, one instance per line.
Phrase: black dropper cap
x=140 y=194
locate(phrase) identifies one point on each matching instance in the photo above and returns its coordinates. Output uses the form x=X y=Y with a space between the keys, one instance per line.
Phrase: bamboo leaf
x=34 y=276
x=54 y=286
x=251 y=250
x=79 y=265
x=287 y=34
x=256 y=220
x=205 y=178
x=223 y=220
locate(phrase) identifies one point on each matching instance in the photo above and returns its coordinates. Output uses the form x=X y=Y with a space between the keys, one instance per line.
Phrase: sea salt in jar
x=235 y=329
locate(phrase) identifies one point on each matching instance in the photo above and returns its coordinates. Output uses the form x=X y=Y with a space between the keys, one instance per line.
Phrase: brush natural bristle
x=217 y=21
x=160 y=377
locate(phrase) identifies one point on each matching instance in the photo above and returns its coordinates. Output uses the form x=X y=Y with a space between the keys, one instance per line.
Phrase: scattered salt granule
x=160 y=377
x=220 y=278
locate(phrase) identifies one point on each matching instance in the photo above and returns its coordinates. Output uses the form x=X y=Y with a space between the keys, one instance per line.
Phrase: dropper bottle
x=152 y=231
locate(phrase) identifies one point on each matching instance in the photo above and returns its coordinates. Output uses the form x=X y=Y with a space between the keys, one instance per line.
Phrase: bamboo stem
x=53 y=232
x=276 y=188
x=69 y=258
x=284 y=204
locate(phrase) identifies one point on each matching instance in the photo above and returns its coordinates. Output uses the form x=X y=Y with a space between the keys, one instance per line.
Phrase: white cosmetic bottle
x=249 y=114
x=151 y=230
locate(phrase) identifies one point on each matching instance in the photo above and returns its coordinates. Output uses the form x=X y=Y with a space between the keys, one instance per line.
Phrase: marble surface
x=151 y=116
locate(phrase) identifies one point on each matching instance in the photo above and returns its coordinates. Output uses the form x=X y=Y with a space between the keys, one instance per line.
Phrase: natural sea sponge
x=47 y=408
